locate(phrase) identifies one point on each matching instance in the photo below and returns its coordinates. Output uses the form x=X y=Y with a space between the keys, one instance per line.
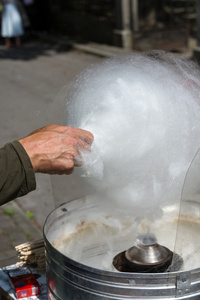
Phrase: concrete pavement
x=30 y=79
x=16 y=227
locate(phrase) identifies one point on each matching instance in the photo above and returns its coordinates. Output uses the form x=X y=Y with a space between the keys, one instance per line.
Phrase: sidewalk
x=15 y=229
x=106 y=51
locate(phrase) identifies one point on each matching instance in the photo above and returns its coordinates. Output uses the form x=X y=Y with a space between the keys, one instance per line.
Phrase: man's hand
x=55 y=149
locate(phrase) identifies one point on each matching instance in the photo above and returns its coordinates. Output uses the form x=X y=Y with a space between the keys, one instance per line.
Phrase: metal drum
x=80 y=276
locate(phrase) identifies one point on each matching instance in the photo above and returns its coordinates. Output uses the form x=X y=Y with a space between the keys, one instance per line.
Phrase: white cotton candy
x=92 y=163
x=144 y=113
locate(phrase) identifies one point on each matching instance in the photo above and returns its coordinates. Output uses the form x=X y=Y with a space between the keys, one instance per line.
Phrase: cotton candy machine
x=130 y=224
x=80 y=252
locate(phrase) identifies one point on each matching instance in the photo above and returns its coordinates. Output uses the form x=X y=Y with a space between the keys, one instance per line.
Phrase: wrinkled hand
x=54 y=149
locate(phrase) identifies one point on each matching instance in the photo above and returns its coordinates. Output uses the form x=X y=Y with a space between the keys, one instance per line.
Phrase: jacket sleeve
x=17 y=177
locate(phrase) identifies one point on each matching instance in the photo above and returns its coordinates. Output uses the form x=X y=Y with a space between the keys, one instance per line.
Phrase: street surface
x=31 y=77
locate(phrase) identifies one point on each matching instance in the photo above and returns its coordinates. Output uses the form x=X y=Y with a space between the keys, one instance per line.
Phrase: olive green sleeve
x=17 y=177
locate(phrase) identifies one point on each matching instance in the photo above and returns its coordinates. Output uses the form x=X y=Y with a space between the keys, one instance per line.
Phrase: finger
x=78 y=161
x=68 y=171
x=82 y=145
x=86 y=136
x=62 y=172
x=65 y=166
x=72 y=131
x=71 y=158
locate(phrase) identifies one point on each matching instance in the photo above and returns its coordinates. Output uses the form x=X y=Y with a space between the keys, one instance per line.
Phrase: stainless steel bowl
x=71 y=279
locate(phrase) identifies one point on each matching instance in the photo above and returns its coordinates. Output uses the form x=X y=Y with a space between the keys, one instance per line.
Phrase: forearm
x=17 y=177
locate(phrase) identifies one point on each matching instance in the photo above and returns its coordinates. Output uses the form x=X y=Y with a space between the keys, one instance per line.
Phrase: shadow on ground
x=31 y=48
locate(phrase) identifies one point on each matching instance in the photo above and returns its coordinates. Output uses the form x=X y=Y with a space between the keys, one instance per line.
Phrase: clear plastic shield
x=146 y=134
x=188 y=230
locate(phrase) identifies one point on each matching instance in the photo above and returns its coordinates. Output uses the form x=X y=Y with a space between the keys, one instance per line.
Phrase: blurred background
x=132 y=24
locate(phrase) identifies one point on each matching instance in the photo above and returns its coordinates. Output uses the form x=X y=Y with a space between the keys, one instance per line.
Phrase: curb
x=89 y=47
